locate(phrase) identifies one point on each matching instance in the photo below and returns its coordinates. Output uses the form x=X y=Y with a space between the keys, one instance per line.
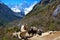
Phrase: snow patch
x=27 y=10
x=16 y=9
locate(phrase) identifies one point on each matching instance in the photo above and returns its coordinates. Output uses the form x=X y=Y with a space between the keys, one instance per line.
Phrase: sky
x=11 y=2
x=18 y=5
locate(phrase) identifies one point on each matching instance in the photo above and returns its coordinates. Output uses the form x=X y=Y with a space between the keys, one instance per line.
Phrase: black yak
x=32 y=30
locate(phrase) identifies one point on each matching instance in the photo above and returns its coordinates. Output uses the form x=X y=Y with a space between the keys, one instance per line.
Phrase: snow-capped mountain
x=17 y=11
x=23 y=8
x=27 y=10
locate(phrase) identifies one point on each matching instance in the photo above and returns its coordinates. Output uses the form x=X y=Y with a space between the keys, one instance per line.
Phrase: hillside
x=6 y=14
x=42 y=15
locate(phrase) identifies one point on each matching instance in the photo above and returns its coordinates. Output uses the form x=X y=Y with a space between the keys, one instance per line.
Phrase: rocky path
x=52 y=36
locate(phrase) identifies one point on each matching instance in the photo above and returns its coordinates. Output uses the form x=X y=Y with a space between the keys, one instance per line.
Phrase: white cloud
x=15 y=9
x=27 y=10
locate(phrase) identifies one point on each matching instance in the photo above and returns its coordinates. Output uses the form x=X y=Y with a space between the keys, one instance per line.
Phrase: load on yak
x=24 y=30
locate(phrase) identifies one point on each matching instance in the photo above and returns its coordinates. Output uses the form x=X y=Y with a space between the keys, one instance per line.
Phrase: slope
x=41 y=15
x=6 y=14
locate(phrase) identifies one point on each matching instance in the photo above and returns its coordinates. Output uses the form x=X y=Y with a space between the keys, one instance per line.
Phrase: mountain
x=42 y=15
x=24 y=8
x=20 y=14
x=45 y=14
x=9 y=14
x=6 y=14
x=18 y=11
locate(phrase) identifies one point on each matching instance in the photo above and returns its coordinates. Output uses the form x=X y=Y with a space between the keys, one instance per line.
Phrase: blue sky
x=14 y=2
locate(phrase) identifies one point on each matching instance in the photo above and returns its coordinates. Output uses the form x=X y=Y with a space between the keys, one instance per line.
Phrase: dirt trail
x=53 y=36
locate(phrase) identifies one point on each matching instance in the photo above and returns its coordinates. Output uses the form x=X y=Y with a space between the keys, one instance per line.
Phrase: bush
x=52 y=26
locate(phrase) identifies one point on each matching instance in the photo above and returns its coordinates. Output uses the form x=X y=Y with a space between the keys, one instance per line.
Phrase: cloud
x=15 y=9
x=27 y=10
